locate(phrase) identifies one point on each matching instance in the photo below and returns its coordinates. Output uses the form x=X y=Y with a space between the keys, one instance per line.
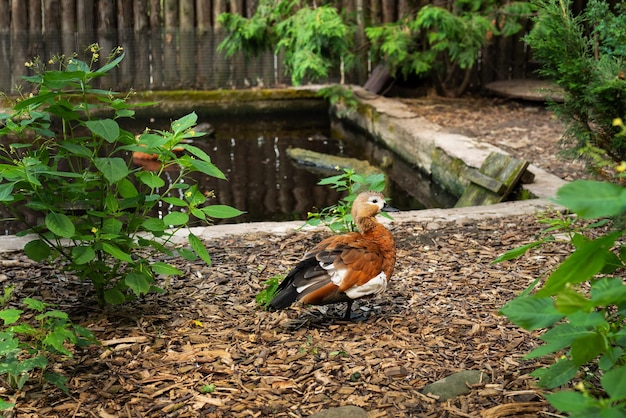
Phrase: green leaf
x=175 y=201
x=113 y=169
x=581 y=265
x=107 y=129
x=221 y=211
x=114 y=297
x=37 y=250
x=568 y=401
x=166 y=269
x=138 y=282
x=59 y=224
x=116 y=252
x=58 y=380
x=198 y=247
x=6 y=192
x=614 y=382
x=557 y=374
x=207 y=168
x=587 y=348
x=569 y=301
x=557 y=338
x=154 y=225
x=592 y=199
x=57 y=339
x=184 y=123
x=34 y=304
x=516 y=252
x=83 y=254
x=10 y=316
x=176 y=218
x=150 y=179
x=127 y=189
x=531 y=312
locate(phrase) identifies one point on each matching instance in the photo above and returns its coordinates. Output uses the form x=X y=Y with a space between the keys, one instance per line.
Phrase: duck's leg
x=348 y=315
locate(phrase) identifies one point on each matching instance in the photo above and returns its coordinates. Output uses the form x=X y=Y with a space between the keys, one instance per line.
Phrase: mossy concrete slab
x=445 y=156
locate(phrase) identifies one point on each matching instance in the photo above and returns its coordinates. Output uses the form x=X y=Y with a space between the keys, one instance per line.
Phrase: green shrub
x=102 y=226
x=445 y=43
x=581 y=304
x=337 y=217
x=313 y=39
x=584 y=55
x=25 y=348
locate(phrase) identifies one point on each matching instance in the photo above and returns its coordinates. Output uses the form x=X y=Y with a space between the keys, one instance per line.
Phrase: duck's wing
x=338 y=269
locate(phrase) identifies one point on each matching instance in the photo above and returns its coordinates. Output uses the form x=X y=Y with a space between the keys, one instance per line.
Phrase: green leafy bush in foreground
x=26 y=348
x=582 y=305
x=96 y=213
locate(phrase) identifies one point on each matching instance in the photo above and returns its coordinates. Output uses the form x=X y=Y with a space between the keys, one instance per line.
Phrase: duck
x=345 y=267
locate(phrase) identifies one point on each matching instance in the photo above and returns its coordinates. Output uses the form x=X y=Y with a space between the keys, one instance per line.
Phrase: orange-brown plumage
x=345 y=267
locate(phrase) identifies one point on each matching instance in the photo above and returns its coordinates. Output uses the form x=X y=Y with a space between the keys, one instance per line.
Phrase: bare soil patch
x=439 y=316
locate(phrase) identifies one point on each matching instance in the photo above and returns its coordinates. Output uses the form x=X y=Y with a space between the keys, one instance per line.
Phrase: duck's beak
x=387 y=208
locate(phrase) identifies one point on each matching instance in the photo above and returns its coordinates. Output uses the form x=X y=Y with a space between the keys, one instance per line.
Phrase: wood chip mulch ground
x=439 y=316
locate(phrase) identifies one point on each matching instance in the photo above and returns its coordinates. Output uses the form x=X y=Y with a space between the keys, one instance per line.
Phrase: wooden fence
x=171 y=44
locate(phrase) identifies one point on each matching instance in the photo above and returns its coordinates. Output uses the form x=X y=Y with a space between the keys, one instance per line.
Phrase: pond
x=262 y=180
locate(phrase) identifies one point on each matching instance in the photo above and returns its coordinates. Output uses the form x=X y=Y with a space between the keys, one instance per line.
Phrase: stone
x=456 y=384
x=341 y=412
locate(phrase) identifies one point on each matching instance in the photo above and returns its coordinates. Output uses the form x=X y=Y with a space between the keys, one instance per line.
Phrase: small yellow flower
x=337 y=168
x=94 y=230
x=95 y=56
x=28 y=64
x=198 y=323
x=617 y=122
x=188 y=194
x=580 y=386
x=621 y=167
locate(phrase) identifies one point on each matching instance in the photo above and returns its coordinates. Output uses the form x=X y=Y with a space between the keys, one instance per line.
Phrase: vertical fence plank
x=19 y=41
x=51 y=29
x=205 y=47
x=220 y=64
x=68 y=27
x=141 y=47
x=187 y=43
x=5 y=45
x=34 y=27
x=128 y=67
x=85 y=24
x=107 y=37
x=156 y=43
x=170 y=67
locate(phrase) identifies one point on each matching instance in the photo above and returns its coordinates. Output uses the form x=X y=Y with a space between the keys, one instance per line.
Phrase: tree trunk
x=389 y=11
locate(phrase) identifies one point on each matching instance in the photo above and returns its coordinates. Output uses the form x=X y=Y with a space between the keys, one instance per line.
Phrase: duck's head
x=369 y=204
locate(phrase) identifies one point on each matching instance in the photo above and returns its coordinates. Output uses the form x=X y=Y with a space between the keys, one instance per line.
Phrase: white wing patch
x=375 y=286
